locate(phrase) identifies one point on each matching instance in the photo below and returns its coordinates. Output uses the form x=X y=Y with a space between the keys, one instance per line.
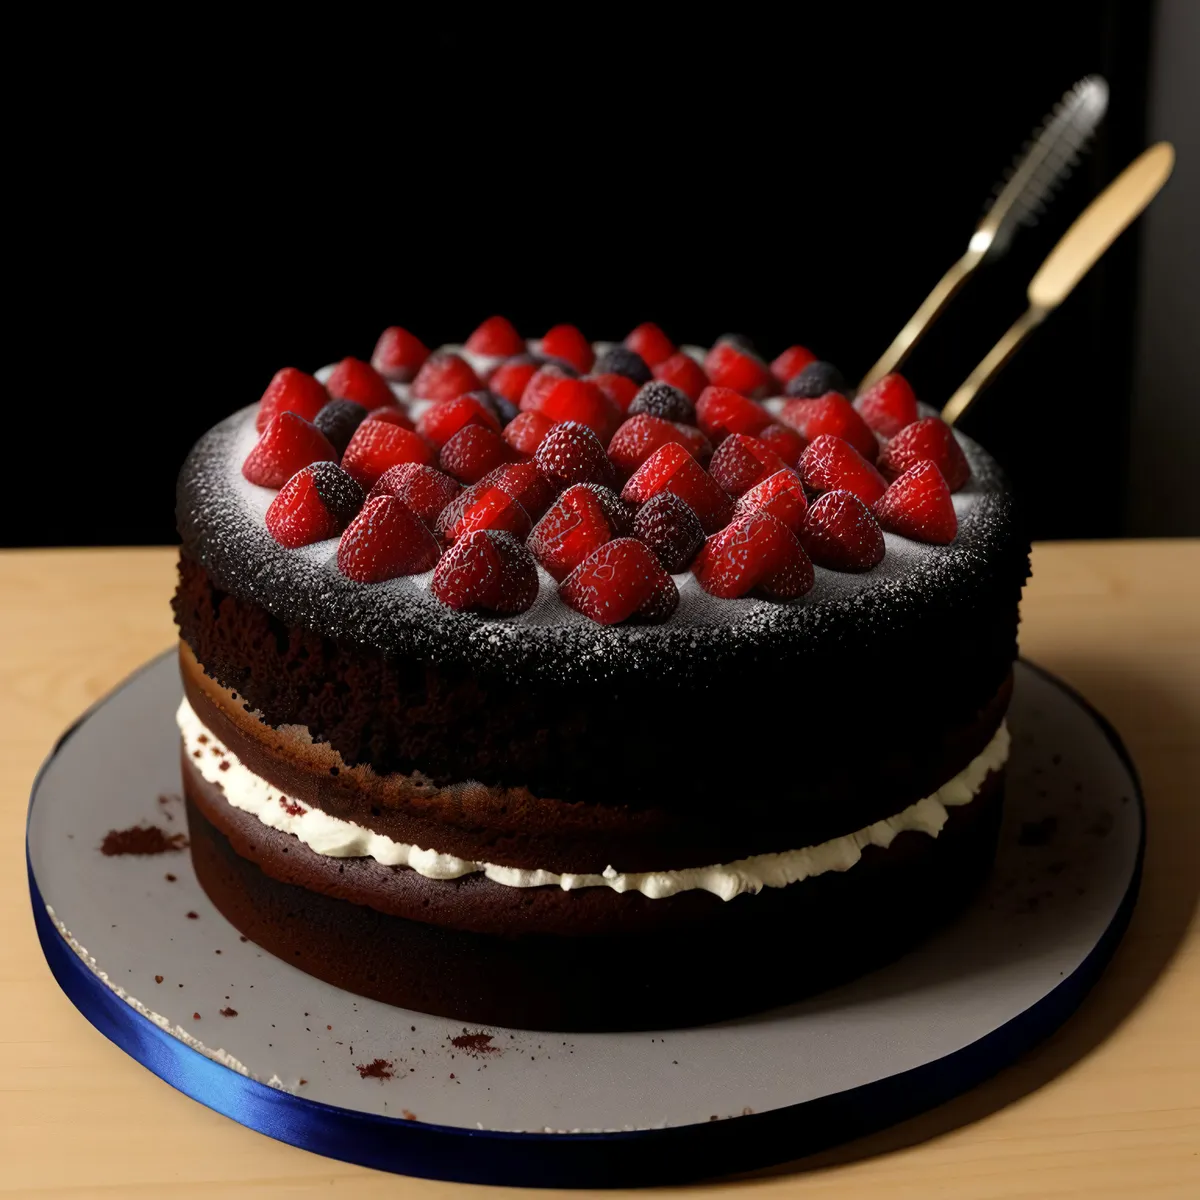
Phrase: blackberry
x=338 y=420
x=659 y=399
x=671 y=529
x=502 y=406
x=620 y=360
x=741 y=341
x=341 y=495
x=816 y=379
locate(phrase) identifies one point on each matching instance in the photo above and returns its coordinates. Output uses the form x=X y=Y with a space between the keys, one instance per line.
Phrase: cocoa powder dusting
x=141 y=839
x=379 y=1069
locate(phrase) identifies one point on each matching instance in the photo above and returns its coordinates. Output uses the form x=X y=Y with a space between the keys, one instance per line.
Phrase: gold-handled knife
x=1077 y=251
x=1020 y=197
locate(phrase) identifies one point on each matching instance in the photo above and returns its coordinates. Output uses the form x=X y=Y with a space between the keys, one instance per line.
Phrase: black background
x=233 y=203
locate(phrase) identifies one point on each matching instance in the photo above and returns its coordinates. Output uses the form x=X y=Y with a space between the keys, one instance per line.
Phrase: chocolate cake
x=571 y=687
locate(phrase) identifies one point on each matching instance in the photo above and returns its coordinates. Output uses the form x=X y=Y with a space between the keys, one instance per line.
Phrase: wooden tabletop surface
x=1108 y=1107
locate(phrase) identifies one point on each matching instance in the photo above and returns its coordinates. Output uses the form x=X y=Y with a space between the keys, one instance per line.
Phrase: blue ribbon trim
x=638 y=1158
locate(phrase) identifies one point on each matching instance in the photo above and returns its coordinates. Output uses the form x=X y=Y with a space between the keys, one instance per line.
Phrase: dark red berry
x=831 y=464
x=572 y=453
x=782 y=495
x=831 y=413
x=377 y=445
x=496 y=338
x=651 y=343
x=318 y=502
x=581 y=520
x=918 y=505
x=444 y=376
x=386 y=540
x=442 y=420
x=288 y=443
x=721 y=411
x=741 y=461
x=731 y=366
x=888 y=405
x=290 y=390
x=791 y=362
x=472 y=452
x=658 y=399
x=756 y=554
x=487 y=570
x=525 y=431
x=338 y=420
x=619 y=581
x=669 y=527
x=423 y=489
x=398 y=354
x=684 y=372
x=511 y=378
x=839 y=532
x=672 y=469
x=353 y=379
x=932 y=440
x=567 y=343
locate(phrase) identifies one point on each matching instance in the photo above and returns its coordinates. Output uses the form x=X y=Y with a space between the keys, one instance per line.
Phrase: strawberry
x=581 y=520
x=485 y=505
x=486 y=571
x=525 y=431
x=669 y=527
x=684 y=372
x=638 y=438
x=672 y=469
x=290 y=390
x=577 y=400
x=830 y=463
x=318 y=502
x=888 y=405
x=496 y=338
x=781 y=494
x=288 y=443
x=831 y=413
x=423 y=489
x=651 y=343
x=393 y=414
x=472 y=452
x=511 y=378
x=733 y=366
x=385 y=540
x=791 y=362
x=443 y=376
x=619 y=389
x=757 y=554
x=620 y=580
x=539 y=385
x=660 y=399
x=338 y=420
x=919 y=506
x=441 y=421
x=377 y=445
x=353 y=379
x=572 y=453
x=741 y=461
x=398 y=355
x=694 y=442
x=786 y=442
x=567 y=343
x=525 y=485
x=721 y=411
x=840 y=533
x=932 y=439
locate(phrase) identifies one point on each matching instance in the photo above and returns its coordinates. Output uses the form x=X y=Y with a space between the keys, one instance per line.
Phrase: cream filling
x=344 y=839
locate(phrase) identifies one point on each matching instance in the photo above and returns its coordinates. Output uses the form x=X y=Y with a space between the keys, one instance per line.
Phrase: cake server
x=1077 y=251
x=1044 y=163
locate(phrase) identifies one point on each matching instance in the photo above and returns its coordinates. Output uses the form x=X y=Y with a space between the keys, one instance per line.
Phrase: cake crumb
x=158 y=979
x=381 y=1068
x=228 y=1012
x=141 y=839
x=475 y=1044
x=193 y=916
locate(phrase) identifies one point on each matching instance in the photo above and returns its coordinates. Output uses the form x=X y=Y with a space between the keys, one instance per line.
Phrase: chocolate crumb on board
x=141 y=839
x=195 y=1016
x=169 y=877
x=158 y=979
x=379 y=1069
x=193 y=916
x=475 y=1044
x=228 y=1012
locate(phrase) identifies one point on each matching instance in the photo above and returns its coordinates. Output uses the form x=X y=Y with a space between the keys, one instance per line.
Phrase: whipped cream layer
x=337 y=838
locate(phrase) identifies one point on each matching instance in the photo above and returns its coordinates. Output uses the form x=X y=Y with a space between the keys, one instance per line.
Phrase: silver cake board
x=140 y=950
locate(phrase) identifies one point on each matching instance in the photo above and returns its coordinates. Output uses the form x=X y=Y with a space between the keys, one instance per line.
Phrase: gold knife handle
x=995 y=358
x=920 y=321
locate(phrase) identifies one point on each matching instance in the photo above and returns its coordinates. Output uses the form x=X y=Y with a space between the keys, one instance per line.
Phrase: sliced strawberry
x=782 y=495
x=441 y=421
x=928 y=439
x=830 y=463
x=288 y=443
x=919 y=506
x=620 y=580
x=669 y=527
x=619 y=389
x=684 y=372
x=511 y=378
x=791 y=362
x=472 y=452
x=733 y=366
x=567 y=343
x=757 y=554
x=651 y=343
x=398 y=354
x=485 y=505
x=523 y=482
x=572 y=453
x=338 y=420
x=290 y=390
x=672 y=469
x=423 y=489
x=638 y=438
x=387 y=539
x=658 y=399
x=318 y=502
x=377 y=445
x=581 y=520
x=888 y=405
x=525 y=431
x=840 y=533
x=741 y=461
x=831 y=413
x=785 y=441
x=577 y=400
x=444 y=376
x=496 y=338
x=721 y=411
x=353 y=379
x=486 y=571
x=694 y=442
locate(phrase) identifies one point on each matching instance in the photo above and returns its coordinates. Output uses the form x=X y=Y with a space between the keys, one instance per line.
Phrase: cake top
x=555 y=508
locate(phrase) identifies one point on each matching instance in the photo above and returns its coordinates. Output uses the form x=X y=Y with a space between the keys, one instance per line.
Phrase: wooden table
x=1108 y=1107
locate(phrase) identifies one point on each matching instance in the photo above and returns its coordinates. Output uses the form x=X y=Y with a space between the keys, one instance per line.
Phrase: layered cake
x=570 y=686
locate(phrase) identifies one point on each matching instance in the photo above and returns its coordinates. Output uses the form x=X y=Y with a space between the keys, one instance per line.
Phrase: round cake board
x=136 y=945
